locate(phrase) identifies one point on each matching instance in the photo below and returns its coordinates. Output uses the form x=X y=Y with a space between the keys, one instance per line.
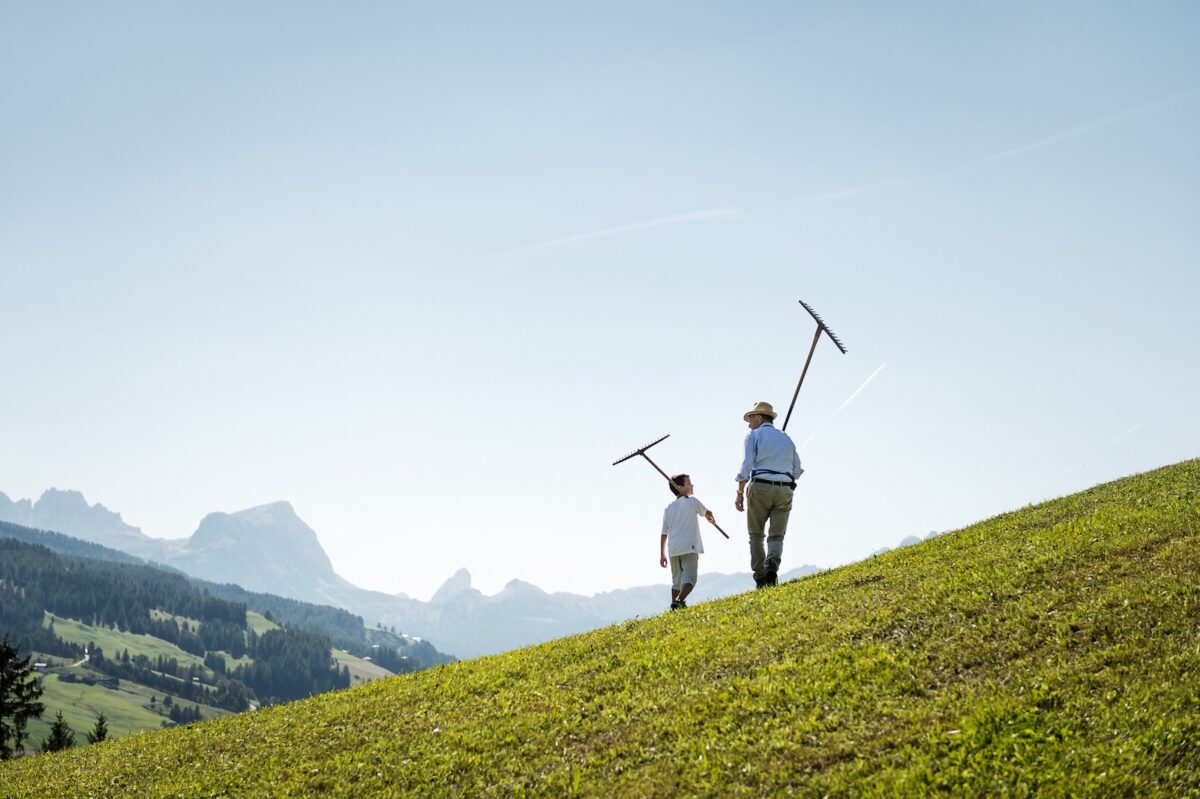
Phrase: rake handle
x=655 y=465
x=668 y=479
x=811 y=350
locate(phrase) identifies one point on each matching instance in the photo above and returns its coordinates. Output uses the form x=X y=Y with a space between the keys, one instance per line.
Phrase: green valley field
x=131 y=707
x=1052 y=651
x=128 y=709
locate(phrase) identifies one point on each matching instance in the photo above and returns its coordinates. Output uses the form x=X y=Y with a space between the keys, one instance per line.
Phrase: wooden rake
x=642 y=451
x=821 y=328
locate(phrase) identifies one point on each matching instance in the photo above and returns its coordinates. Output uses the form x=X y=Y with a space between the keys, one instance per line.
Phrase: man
x=771 y=466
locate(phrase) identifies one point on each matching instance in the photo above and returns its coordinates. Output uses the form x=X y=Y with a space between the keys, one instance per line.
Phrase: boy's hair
x=677 y=480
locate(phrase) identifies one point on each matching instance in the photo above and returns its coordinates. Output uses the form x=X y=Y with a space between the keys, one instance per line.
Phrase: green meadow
x=259 y=623
x=1051 y=651
x=114 y=642
x=127 y=709
x=181 y=620
x=360 y=670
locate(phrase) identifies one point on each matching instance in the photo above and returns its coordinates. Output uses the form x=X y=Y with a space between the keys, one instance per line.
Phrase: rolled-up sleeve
x=748 y=459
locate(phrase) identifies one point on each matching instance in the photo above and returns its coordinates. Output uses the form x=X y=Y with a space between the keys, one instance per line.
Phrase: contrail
x=857 y=391
x=1100 y=450
x=1102 y=122
x=1105 y=121
x=1126 y=434
x=647 y=224
x=1067 y=471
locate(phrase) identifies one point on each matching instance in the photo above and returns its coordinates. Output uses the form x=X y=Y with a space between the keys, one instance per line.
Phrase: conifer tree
x=19 y=693
x=100 y=731
x=61 y=735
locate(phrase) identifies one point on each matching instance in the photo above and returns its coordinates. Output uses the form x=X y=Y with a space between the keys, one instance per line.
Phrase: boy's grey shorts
x=684 y=568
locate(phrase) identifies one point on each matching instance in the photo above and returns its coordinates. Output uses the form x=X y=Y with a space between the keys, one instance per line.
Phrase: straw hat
x=762 y=409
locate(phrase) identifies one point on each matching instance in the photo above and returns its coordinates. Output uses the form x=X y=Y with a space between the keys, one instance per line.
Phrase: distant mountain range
x=271 y=550
x=267 y=548
x=67 y=512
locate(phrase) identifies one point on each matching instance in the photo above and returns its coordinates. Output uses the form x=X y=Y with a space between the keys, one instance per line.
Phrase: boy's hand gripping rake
x=642 y=451
x=821 y=328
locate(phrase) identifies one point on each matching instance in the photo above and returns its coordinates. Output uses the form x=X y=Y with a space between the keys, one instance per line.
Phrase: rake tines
x=641 y=450
x=823 y=326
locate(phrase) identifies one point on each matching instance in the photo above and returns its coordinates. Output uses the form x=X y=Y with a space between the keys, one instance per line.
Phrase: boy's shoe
x=759 y=582
x=682 y=604
x=677 y=604
x=771 y=578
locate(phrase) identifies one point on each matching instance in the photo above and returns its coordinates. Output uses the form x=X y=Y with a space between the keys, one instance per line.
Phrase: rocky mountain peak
x=264 y=548
x=55 y=503
x=69 y=513
x=520 y=588
x=261 y=529
x=18 y=512
x=273 y=513
x=457 y=585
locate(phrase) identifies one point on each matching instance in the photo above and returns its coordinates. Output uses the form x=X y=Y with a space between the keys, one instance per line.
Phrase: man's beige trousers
x=767 y=503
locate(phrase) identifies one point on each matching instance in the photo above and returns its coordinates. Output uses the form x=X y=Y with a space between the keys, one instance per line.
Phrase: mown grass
x=1051 y=652
x=127 y=710
x=360 y=670
x=259 y=623
x=114 y=642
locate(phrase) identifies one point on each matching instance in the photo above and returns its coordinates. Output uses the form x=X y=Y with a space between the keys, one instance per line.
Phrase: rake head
x=640 y=450
x=821 y=324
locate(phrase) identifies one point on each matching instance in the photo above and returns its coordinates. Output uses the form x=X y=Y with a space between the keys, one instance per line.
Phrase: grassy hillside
x=127 y=709
x=360 y=670
x=113 y=641
x=1049 y=651
x=259 y=623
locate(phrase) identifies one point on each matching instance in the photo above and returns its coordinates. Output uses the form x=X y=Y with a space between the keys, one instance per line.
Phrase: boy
x=681 y=539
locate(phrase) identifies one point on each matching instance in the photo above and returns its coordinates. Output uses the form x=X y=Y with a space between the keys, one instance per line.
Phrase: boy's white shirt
x=681 y=526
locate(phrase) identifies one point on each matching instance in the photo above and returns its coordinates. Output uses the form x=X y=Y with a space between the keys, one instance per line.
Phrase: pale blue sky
x=425 y=271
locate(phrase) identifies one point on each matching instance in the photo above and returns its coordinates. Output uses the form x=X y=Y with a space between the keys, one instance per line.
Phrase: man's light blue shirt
x=770 y=454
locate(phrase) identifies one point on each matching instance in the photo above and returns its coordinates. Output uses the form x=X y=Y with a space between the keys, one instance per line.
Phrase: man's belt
x=789 y=483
